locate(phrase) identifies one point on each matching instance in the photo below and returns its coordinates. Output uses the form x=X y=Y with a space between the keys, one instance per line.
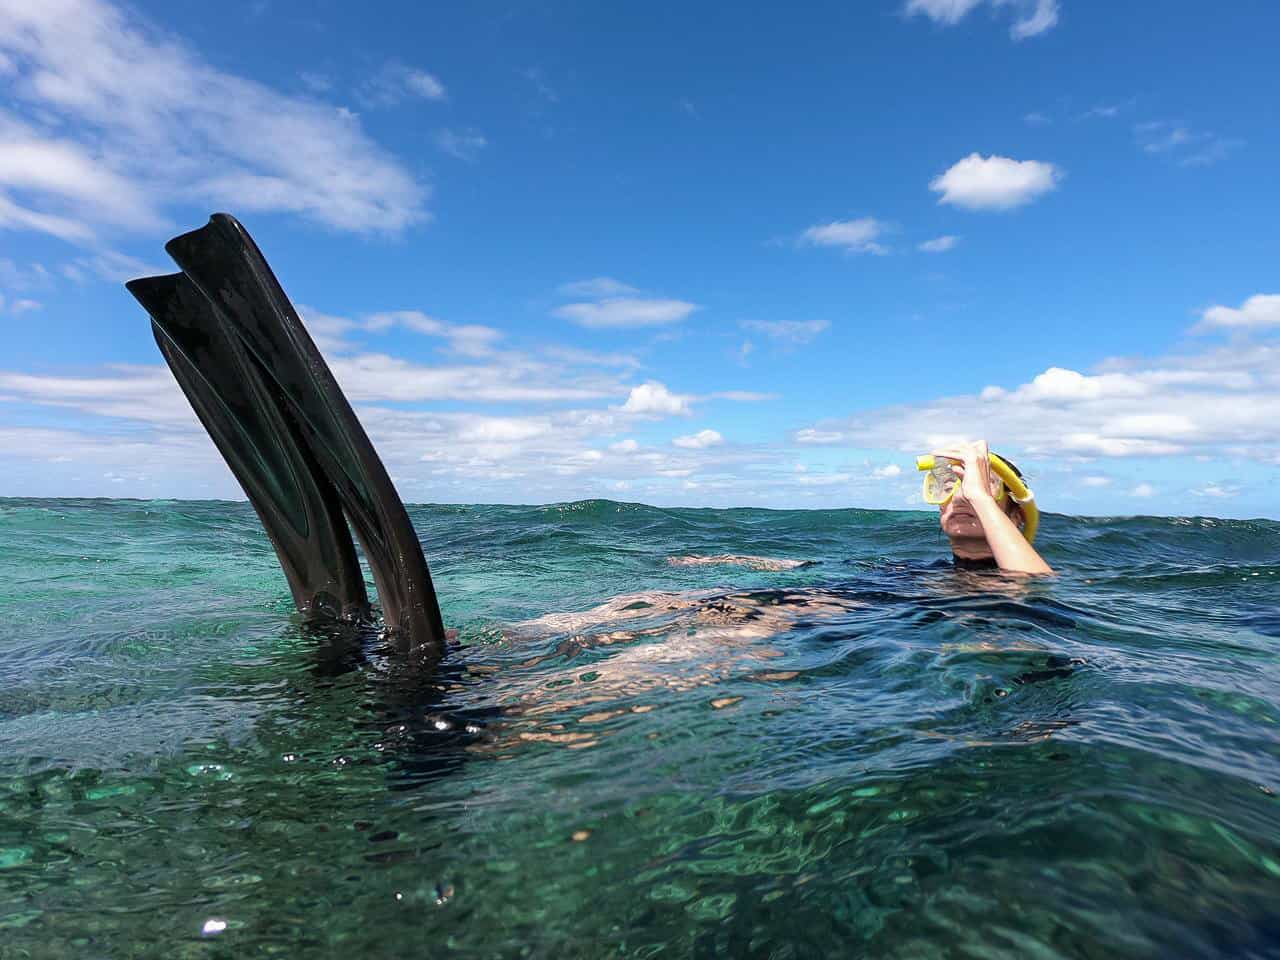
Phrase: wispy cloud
x=939 y=244
x=1187 y=147
x=1109 y=111
x=463 y=144
x=536 y=77
x=995 y=183
x=1031 y=17
x=396 y=82
x=793 y=332
x=619 y=312
x=854 y=236
x=597 y=288
x=121 y=123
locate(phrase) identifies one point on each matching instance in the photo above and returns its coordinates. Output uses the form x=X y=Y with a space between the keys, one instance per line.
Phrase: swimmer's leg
x=265 y=361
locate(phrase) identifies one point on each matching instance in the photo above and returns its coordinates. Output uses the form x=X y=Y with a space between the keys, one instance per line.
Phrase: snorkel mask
x=941 y=483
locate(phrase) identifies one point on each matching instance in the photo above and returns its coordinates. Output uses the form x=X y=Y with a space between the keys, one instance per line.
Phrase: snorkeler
x=272 y=407
x=984 y=508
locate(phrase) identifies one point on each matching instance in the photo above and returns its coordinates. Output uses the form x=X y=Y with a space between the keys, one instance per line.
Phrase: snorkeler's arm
x=1010 y=548
x=1008 y=545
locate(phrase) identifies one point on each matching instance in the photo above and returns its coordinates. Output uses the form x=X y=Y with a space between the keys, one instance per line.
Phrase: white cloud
x=995 y=183
x=1035 y=119
x=1095 y=481
x=503 y=429
x=463 y=144
x=700 y=440
x=1259 y=311
x=123 y=122
x=397 y=81
x=116 y=267
x=814 y=436
x=471 y=340
x=789 y=331
x=1218 y=491
x=1195 y=404
x=855 y=236
x=742 y=396
x=1143 y=490
x=625 y=446
x=1187 y=147
x=654 y=399
x=617 y=312
x=822 y=479
x=939 y=245
x=597 y=288
x=1031 y=17
x=887 y=472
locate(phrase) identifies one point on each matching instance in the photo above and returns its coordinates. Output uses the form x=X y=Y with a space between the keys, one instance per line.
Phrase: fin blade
x=297 y=506
x=226 y=265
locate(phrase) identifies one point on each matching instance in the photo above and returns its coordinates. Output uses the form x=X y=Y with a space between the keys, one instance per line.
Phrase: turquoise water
x=867 y=755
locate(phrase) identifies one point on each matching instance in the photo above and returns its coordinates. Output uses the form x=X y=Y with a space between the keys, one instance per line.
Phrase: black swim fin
x=277 y=415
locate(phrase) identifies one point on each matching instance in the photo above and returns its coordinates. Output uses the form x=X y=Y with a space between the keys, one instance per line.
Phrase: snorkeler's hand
x=973 y=466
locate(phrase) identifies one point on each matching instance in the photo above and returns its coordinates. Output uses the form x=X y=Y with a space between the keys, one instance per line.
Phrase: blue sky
x=678 y=253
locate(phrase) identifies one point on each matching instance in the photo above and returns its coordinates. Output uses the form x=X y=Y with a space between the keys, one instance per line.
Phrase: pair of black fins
x=278 y=417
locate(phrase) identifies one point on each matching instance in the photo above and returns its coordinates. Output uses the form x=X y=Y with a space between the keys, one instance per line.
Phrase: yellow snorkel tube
x=1020 y=492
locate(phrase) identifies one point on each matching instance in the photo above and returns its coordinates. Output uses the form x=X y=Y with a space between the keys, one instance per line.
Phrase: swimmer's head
x=960 y=522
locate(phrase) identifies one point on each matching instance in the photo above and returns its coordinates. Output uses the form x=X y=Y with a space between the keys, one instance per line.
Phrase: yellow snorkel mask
x=941 y=483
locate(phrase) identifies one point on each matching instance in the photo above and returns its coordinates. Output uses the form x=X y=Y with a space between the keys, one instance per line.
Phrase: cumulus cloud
x=887 y=472
x=995 y=183
x=854 y=236
x=1197 y=404
x=795 y=332
x=616 y=312
x=700 y=440
x=939 y=244
x=653 y=399
x=1258 y=312
x=1031 y=17
x=120 y=123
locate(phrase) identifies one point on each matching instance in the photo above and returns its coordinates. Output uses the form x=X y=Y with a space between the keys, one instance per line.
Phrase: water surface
x=868 y=754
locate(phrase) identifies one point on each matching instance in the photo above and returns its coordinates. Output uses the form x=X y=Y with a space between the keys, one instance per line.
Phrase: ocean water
x=865 y=754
